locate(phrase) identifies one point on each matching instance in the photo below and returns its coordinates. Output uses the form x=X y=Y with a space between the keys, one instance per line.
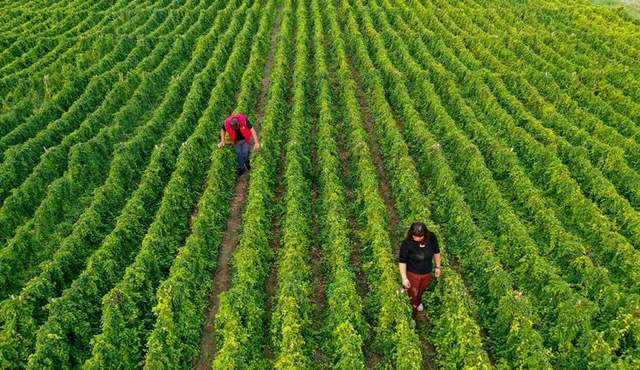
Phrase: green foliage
x=511 y=128
x=126 y=318
x=241 y=310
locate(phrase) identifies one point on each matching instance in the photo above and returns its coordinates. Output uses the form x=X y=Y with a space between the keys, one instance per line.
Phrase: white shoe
x=420 y=307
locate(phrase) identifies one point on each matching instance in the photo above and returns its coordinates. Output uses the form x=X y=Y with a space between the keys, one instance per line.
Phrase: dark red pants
x=419 y=283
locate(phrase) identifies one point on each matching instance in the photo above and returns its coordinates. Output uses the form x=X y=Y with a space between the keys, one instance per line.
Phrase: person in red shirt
x=417 y=253
x=240 y=132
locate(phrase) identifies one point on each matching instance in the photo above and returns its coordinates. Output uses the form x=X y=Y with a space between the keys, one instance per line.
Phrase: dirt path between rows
x=232 y=231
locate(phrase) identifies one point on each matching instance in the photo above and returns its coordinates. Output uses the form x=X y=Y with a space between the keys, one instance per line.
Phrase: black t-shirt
x=237 y=130
x=419 y=259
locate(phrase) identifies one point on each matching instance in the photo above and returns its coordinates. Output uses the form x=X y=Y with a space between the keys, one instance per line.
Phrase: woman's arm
x=256 y=142
x=403 y=273
x=436 y=257
x=221 y=143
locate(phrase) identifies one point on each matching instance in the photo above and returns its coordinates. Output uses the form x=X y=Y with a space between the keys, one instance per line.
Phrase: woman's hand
x=437 y=272
x=221 y=144
x=257 y=146
x=406 y=283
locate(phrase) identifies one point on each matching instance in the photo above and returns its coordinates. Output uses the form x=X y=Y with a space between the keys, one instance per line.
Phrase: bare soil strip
x=231 y=235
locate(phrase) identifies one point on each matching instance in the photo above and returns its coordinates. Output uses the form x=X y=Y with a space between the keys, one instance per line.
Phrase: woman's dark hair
x=419 y=229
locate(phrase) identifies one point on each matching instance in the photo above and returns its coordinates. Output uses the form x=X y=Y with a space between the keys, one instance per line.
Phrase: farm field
x=512 y=129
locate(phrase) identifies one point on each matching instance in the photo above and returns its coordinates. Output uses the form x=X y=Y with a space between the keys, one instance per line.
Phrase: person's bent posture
x=417 y=253
x=240 y=132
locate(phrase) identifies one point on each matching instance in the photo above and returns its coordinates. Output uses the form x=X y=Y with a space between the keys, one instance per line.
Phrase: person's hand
x=221 y=144
x=256 y=146
x=437 y=272
x=406 y=283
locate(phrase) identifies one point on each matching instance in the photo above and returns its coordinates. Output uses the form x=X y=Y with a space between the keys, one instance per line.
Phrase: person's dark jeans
x=242 y=151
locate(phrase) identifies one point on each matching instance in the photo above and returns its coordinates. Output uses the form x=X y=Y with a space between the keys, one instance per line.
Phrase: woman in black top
x=417 y=253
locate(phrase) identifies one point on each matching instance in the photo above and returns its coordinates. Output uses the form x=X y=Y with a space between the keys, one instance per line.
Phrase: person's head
x=234 y=122
x=418 y=232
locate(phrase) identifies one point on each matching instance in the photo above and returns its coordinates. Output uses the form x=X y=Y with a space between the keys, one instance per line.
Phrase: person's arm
x=221 y=143
x=256 y=142
x=403 y=272
x=436 y=258
x=402 y=265
x=436 y=255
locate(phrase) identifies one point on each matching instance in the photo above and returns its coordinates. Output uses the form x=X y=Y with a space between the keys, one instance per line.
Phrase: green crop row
x=127 y=319
x=38 y=84
x=182 y=298
x=80 y=305
x=513 y=106
x=457 y=335
x=290 y=325
x=51 y=49
x=609 y=160
x=565 y=248
x=516 y=249
x=93 y=225
x=87 y=166
x=440 y=77
x=344 y=320
x=393 y=336
x=52 y=19
x=75 y=88
x=240 y=334
x=548 y=47
x=584 y=267
x=503 y=308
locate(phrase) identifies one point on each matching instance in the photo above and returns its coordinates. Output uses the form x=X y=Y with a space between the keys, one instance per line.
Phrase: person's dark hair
x=419 y=229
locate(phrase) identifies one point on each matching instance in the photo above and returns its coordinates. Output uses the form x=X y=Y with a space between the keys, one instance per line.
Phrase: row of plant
x=581 y=219
x=393 y=336
x=566 y=249
x=30 y=92
x=16 y=15
x=39 y=57
x=538 y=43
x=598 y=149
x=579 y=30
x=610 y=249
x=602 y=155
x=456 y=333
x=615 y=306
x=127 y=318
x=87 y=164
x=62 y=17
x=484 y=97
x=29 y=83
x=549 y=47
x=241 y=316
x=75 y=88
x=607 y=294
x=494 y=214
x=182 y=298
x=503 y=308
x=344 y=321
x=22 y=313
x=611 y=103
x=290 y=326
x=77 y=312
x=568 y=107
